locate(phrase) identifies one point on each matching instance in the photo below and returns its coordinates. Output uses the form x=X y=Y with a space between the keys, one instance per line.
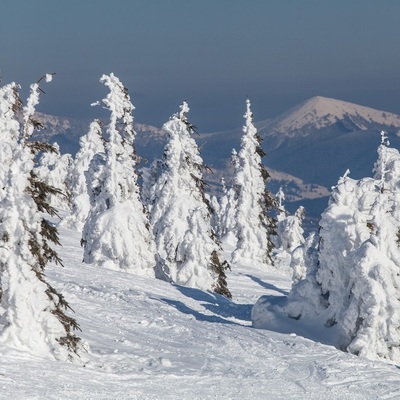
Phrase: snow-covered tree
x=289 y=230
x=303 y=257
x=226 y=213
x=54 y=169
x=188 y=252
x=89 y=145
x=254 y=225
x=10 y=104
x=289 y=236
x=280 y=197
x=281 y=216
x=32 y=312
x=149 y=178
x=354 y=286
x=116 y=233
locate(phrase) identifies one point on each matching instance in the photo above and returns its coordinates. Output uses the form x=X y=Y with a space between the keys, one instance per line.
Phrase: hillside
x=150 y=340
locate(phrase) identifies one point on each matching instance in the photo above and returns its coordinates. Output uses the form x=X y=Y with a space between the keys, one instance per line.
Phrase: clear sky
x=213 y=53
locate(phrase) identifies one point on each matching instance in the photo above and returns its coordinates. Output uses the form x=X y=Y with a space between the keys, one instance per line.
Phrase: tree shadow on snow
x=218 y=304
x=267 y=285
x=183 y=308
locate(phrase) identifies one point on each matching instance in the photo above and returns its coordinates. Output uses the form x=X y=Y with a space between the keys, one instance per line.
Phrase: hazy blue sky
x=213 y=53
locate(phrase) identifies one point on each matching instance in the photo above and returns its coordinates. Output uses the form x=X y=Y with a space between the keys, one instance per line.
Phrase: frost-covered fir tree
x=226 y=215
x=9 y=106
x=188 y=252
x=116 y=233
x=54 y=169
x=353 y=288
x=254 y=225
x=149 y=178
x=89 y=145
x=32 y=313
x=281 y=216
x=215 y=215
x=289 y=236
x=289 y=230
x=304 y=257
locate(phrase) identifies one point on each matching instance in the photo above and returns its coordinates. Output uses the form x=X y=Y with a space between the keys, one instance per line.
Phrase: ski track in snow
x=153 y=340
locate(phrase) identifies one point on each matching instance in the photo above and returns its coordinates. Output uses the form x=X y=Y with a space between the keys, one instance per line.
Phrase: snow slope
x=153 y=340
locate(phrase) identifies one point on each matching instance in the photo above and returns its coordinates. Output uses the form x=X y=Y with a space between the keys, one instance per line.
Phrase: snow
x=152 y=340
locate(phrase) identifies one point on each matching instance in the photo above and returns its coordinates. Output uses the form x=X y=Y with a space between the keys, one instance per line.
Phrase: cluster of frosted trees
x=169 y=228
x=347 y=277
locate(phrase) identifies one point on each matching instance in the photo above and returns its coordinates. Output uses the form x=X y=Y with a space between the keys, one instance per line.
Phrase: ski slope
x=152 y=340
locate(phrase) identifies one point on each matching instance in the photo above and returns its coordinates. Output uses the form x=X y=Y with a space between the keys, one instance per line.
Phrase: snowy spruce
x=180 y=214
x=90 y=144
x=254 y=224
x=116 y=233
x=33 y=314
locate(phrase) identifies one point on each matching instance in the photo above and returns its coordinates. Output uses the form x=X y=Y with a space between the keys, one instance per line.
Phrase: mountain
x=308 y=147
x=320 y=112
x=321 y=138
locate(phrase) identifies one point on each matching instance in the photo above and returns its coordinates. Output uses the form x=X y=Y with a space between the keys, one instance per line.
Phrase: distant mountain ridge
x=321 y=112
x=308 y=147
x=321 y=137
x=67 y=131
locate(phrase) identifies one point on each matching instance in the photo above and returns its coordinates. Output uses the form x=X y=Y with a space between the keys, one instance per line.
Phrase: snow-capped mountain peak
x=319 y=112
